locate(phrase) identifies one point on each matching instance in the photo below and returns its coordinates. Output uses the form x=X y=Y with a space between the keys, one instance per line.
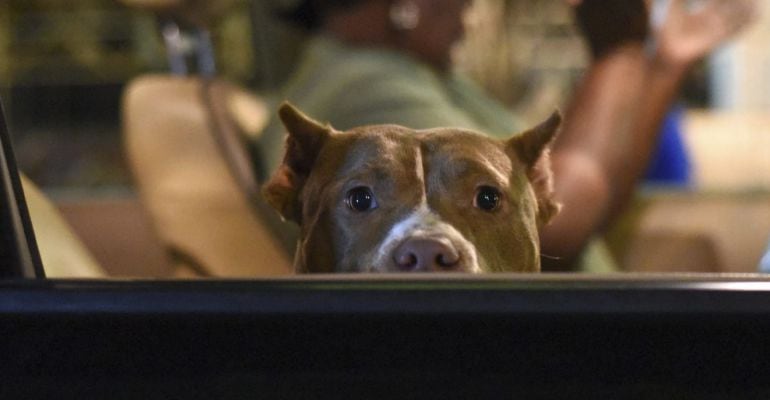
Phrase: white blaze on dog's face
x=388 y=198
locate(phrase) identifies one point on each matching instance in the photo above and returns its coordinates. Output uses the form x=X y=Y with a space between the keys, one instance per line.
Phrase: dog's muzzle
x=423 y=243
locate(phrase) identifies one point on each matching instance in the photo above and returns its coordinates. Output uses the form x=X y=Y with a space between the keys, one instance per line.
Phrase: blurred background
x=64 y=67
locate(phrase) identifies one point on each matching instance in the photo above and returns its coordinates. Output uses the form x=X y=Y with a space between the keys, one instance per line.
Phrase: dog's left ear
x=532 y=147
x=303 y=143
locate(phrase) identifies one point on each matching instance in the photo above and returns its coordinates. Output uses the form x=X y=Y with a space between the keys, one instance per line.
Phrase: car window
x=65 y=69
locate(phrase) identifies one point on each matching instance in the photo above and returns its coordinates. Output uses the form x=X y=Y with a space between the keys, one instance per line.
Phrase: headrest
x=249 y=112
x=196 y=12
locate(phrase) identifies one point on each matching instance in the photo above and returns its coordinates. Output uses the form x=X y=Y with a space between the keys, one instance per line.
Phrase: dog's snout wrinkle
x=426 y=254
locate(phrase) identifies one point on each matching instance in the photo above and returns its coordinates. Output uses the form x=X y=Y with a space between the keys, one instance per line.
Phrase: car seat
x=184 y=137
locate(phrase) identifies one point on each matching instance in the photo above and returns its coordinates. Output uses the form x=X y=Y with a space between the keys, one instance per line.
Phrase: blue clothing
x=670 y=163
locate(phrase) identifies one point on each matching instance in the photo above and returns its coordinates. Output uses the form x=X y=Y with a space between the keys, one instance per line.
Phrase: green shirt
x=350 y=87
x=353 y=86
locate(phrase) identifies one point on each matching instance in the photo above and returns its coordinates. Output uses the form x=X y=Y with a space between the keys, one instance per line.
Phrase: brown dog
x=388 y=198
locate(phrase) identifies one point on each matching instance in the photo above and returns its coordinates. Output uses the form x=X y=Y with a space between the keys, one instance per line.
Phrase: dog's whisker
x=555 y=258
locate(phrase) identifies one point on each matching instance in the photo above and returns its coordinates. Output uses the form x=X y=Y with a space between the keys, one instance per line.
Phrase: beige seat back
x=62 y=252
x=202 y=207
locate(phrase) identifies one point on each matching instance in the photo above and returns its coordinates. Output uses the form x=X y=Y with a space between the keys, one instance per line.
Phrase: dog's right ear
x=303 y=143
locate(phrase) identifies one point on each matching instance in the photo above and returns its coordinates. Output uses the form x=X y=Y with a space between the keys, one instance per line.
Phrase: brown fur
x=434 y=173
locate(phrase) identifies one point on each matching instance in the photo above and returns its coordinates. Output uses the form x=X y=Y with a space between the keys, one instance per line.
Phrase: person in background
x=389 y=61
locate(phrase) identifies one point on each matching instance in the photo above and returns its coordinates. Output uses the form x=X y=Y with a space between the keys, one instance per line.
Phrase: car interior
x=140 y=284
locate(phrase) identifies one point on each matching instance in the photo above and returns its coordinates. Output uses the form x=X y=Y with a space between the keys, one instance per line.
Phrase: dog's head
x=388 y=198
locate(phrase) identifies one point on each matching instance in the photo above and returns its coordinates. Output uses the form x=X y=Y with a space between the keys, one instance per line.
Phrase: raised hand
x=608 y=24
x=685 y=34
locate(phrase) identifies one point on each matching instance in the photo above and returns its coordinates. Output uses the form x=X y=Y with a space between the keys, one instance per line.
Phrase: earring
x=404 y=15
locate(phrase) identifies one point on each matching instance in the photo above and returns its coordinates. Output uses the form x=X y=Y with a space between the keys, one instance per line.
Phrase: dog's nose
x=426 y=254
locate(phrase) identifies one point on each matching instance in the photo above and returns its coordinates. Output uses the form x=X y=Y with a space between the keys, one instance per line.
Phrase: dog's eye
x=487 y=198
x=361 y=199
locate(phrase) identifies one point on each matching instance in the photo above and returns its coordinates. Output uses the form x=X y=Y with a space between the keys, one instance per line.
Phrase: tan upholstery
x=61 y=251
x=201 y=211
x=119 y=234
x=694 y=232
x=729 y=149
x=248 y=113
x=673 y=251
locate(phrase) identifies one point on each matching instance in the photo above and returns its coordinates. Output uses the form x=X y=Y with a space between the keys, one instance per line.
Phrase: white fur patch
x=423 y=223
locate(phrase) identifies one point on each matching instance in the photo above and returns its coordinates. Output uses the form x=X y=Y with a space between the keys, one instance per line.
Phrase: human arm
x=613 y=119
